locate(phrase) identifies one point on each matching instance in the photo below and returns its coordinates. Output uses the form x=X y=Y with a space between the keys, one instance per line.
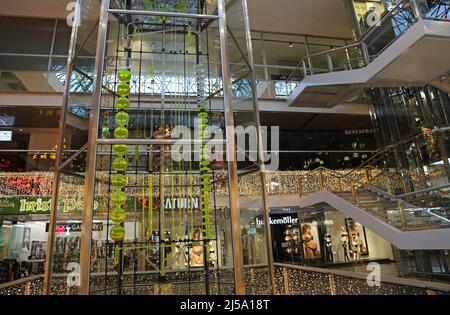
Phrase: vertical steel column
x=416 y=10
x=401 y=211
x=60 y=142
x=231 y=154
x=266 y=70
x=89 y=185
x=260 y=154
x=311 y=72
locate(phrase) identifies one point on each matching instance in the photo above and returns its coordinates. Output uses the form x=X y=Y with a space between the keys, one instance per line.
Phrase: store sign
x=365 y=131
x=42 y=205
x=278 y=220
x=285 y=220
x=74 y=227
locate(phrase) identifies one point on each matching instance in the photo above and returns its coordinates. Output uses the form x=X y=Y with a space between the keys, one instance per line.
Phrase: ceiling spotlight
x=291 y=45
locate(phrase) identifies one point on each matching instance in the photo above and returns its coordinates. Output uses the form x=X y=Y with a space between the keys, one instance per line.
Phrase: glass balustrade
x=418 y=214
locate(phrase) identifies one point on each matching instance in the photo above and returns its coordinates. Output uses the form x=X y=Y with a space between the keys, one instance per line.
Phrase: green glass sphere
x=118 y=215
x=121 y=133
x=118 y=198
x=122 y=118
x=117 y=233
x=123 y=103
x=124 y=75
x=120 y=149
x=123 y=89
x=119 y=181
x=120 y=164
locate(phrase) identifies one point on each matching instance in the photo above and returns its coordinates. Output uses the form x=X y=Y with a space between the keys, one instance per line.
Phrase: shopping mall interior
x=222 y=147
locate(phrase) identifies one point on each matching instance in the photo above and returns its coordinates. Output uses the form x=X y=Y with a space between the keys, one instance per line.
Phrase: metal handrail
x=424 y=190
x=332 y=50
x=385 y=279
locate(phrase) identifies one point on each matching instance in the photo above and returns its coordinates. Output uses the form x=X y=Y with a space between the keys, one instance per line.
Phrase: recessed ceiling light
x=291 y=45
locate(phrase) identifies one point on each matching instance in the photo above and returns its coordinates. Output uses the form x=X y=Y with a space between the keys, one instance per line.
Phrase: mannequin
x=356 y=248
x=328 y=247
x=344 y=243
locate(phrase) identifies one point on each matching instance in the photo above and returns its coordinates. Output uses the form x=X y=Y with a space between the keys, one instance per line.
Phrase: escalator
x=404 y=224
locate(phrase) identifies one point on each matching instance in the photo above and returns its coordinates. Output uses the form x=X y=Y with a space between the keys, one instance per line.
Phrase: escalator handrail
x=386 y=194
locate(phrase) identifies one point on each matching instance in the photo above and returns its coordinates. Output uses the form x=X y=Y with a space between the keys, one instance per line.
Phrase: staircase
x=404 y=224
x=407 y=48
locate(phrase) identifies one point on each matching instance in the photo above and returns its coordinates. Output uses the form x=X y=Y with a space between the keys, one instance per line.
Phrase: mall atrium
x=224 y=147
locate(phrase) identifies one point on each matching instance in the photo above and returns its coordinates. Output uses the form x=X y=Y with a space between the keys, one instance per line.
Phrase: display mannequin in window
x=356 y=247
x=344 y=243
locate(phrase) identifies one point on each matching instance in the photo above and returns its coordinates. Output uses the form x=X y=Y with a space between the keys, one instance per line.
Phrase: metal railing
x=297 y=280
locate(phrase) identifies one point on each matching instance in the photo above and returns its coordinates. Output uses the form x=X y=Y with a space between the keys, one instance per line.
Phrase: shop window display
x=326 y=238
x=22 y=249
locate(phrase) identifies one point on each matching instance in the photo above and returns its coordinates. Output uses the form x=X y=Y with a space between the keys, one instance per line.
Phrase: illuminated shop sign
x=5 y=135
x=42 y=205
x=38 y=205
x=277 y=220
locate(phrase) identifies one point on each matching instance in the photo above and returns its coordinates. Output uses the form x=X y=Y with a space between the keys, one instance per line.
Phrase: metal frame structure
x=58 y=167
x=94 y=141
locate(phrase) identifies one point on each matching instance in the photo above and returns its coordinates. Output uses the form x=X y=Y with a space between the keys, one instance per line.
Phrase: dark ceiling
x=313 y=121
x=24 y=117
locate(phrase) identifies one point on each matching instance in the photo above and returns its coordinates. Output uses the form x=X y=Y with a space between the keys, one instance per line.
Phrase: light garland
x=205 y=171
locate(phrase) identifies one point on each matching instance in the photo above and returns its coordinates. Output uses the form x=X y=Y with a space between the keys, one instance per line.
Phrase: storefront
x=24 y=227
x=23 y=244
x=322 y=236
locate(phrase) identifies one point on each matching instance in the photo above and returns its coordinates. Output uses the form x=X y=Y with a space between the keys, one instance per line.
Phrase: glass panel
x=435 y=10
x=35 y=34
x=397 y=23
x=168 y=230
x=66 y=250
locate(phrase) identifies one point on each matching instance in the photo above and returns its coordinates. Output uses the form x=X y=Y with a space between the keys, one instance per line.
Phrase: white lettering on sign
x=181 y=203
x=285 y=220
x=374 y=276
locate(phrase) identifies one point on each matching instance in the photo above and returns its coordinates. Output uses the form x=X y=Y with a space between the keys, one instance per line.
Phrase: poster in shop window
x=310 y=240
